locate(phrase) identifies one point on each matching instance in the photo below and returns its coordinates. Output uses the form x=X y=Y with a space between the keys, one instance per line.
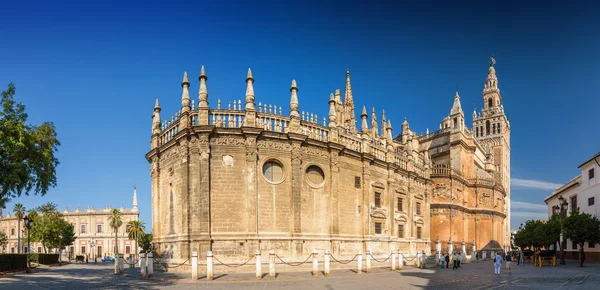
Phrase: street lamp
x=28 y=223
x=563 y=213
x=93 y=244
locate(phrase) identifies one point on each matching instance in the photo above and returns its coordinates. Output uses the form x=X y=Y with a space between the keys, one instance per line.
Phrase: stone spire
x=349 y=119
x=491 y=92
x=203 y=92
x=374 y=126
x=383 y=124
x=294 y=100
x=156 y=118
x=135 y=203
x=389 y=132
x=364 y=127
x=250 y=91
x=332 y=113
x=185 y=95
x=339 y=108
x=456 y=107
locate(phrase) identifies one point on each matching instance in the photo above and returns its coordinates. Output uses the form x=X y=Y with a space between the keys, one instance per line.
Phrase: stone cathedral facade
x=245 y=176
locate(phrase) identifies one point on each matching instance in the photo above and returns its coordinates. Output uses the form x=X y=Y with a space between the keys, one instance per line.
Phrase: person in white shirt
x=497 y=264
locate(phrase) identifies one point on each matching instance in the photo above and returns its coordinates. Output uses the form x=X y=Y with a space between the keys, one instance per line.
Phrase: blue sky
x=94 y=69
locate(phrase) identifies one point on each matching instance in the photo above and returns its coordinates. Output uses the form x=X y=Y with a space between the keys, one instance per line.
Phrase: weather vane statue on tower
x=492 y=61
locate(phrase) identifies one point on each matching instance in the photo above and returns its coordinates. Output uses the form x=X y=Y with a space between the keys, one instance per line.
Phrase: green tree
x=548 y=233
x=115 y=221
x=581 y=228
x=47 y=226
x=27 y=161
x=136 y=230
x=66 y=236
x=19 y=211
x=526 y=237
x=3 y=240
x=145 y=244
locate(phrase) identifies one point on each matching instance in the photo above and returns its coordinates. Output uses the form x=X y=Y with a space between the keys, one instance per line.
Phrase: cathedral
x=238 y=177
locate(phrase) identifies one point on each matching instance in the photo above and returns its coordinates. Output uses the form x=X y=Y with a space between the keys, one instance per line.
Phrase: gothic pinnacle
x=294 y=100
x=332 y=113
x=185 y=95
x=203 y=91
x=249 y=91
x=364 y=127
x=374 y=126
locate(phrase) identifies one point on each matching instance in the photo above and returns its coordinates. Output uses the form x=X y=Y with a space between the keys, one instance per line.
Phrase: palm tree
x=19 y=211
x=115 y=222
x=136 y=231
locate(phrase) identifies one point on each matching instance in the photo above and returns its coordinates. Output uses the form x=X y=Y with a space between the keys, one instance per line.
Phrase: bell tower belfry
x=492 y=129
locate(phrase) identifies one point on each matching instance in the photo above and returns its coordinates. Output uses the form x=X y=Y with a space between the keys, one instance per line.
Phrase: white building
x=581 y=193
x=95 y=238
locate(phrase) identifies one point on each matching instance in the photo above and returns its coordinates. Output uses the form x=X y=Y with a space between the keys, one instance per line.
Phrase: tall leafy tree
x=66 y=235
x=3 y=240
x=581 y=228
x=146 y=243
x=19 y=211
x=136 y=230
x=27 y=160
x=115 y=221
x=46 y=226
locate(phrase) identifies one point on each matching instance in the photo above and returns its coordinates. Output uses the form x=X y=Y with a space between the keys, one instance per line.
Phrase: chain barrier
x=234 y=265
x=166 y=265
x=133 y=264
x=431 y=258
x=374 y=259
x=294 y=264
x=345 y=262
x=407 y=259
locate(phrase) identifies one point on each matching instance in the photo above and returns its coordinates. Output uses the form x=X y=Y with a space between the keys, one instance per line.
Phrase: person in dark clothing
x=454 y=261
x=447 y=258
x=458 y=257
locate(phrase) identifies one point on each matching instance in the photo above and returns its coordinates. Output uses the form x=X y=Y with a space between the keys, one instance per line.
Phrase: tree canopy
x=146 y=243
x=3 y=240
x=48 y=225
x=27 y=152
x=581 y=228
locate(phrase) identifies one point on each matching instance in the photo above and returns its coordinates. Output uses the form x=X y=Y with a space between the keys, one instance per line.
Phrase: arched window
x=477 y=132
x=487 y=127
x=498 y=129
x=493 y=128
x=489 y=103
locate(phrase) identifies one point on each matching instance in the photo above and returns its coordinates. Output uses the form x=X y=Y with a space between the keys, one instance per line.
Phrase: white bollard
x=368 y=261
x=194 y=265
x=121 y=264
x=117 y=267
x=359 y=268
x=150 y=264
x=258 y=265
x=393 y=260
x=315 y=270
x=400 y=261
x=423 y=259
x=418 y=259
x=209 y=265
x=143 y=264
x=327 y=269
x=131 y=264
x=140 y=260
x=272 y=263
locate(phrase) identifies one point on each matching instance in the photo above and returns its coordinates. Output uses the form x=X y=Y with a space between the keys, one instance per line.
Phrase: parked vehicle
x=108 y=259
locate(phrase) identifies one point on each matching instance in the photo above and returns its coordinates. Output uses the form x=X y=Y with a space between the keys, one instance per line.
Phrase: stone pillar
x=143 y=264
x=359 y=267
x=400 y=261
x=438 y=249
x=209 y=265
x=117 y=266
x=326 y=263
x=297 y=181
x=131 y=264
x=423 y=259
x=121 y=263
x=418 y=259
x=272 y=263
x=473 y=251
x=368 y=261
x=315 y=269
x=150 y=264
x=450 y=246
x=258 y=265
x=194 y=265
x=393 y=256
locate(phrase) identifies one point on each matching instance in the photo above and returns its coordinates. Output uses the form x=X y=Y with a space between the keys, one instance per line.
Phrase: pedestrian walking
x=521 y=258
x=477 y=256
x=508 y=262
x=443 y=261
x=497 y=264
x=454 y=261
x=447 y=258
x=458 y=257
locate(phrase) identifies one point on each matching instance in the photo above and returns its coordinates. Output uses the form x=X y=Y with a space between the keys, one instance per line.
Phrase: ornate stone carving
x=228 y=161
x=315 y=151
x=378 y=213
x=228 y=141
x=282 y=145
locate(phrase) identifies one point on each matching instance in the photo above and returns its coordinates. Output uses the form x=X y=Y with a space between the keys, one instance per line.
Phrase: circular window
x=273 y=172
x=315 y=176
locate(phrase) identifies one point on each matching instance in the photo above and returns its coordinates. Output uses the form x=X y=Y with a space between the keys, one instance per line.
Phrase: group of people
x=455 y=258
x=508 y=258
x=498 y=259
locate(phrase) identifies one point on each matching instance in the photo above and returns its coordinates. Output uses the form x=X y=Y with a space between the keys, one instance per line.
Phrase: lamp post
x=563 y=213
x=93 y=250
x=28 y=223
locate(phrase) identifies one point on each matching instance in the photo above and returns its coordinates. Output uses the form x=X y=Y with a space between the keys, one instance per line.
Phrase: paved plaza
x=469 y=276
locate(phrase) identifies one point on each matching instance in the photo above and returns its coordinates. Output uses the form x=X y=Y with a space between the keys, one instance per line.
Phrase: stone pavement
x=469 y=276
